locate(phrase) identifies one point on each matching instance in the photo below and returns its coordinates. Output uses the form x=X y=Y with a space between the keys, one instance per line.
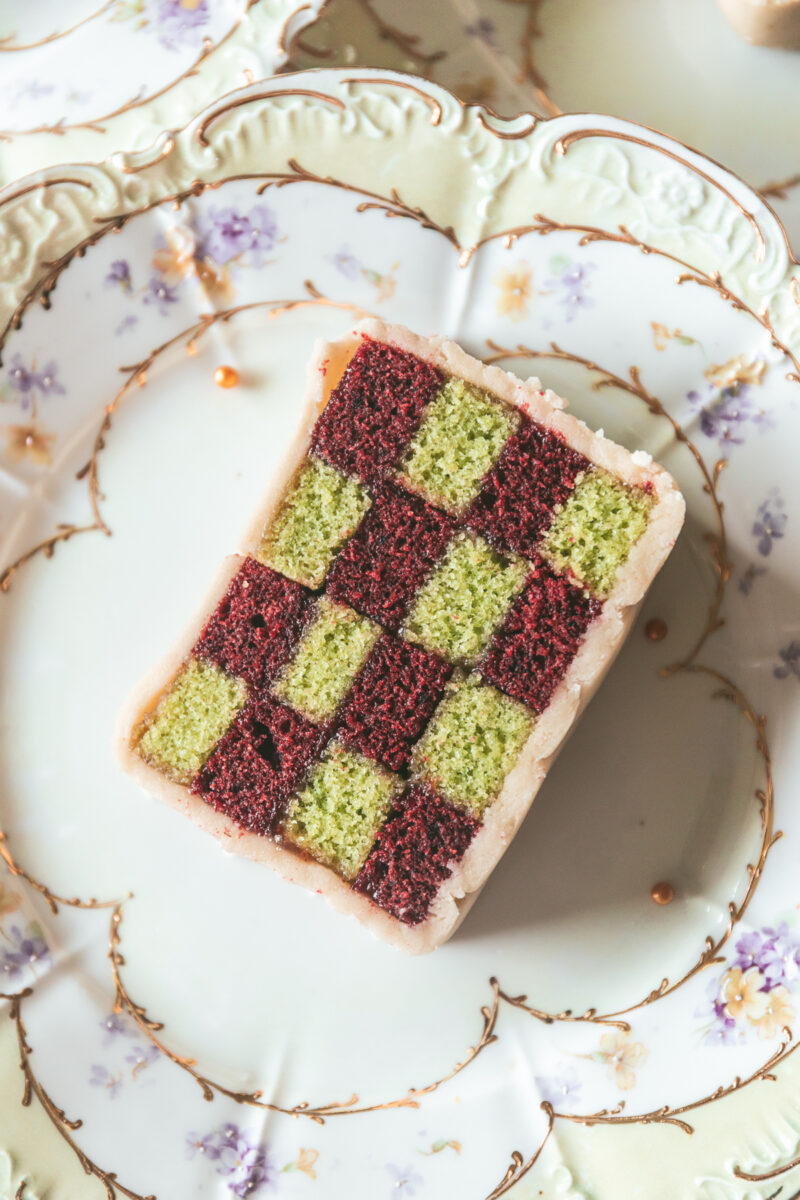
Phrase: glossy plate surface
x=570 y=1011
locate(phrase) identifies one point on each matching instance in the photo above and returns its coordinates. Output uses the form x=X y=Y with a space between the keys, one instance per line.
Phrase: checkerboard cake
x=432 y=591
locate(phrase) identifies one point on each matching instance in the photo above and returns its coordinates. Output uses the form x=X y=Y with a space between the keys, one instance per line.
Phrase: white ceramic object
x=80 y=78
x=674 y=65
x=586 y=250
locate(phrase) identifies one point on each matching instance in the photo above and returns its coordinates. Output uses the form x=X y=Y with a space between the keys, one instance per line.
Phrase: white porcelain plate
x=242 y=1037
x=674 y=65
x=78 y=77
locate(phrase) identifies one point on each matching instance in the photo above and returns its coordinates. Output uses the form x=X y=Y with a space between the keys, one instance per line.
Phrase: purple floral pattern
x=571 y=281
x=789 y=661
x=181 y=21
x=228 y=235
x=727 y=414
x=30 y=382
x=244 y=1165
x=768 y=527
x=176 y=23
x=120 y=1031
x=405 y=1180
x=29 y=953
x=562 y=1090
x=483 y=29
x=770 y=523
x=347 y=264
x=754 y=993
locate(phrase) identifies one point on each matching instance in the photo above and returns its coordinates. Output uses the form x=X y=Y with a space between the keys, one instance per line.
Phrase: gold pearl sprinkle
x=655 y=630
x=662 y=893
x=226 y=377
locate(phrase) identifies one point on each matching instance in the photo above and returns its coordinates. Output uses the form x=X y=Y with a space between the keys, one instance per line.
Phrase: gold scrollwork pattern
x=394 y=207
x=97 y=124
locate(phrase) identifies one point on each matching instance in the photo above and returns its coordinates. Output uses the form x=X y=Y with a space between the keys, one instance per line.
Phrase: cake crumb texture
x=256 y=625
x=415 y=851
x=461 y=436
x=593 y=534
x=333 y=648
x=392 y=700
x=374 y=410
x=258 y=763
x=394 y=549
x=531 y=652
x=465 y=599
x=338 y=812
x=471 y=743
x=191 y=718
x=320 y=512
x=535 y=474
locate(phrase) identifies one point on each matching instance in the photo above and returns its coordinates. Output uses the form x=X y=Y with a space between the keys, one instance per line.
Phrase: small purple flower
x=483 y=29
x=205 y=1145
x=749 y=949
x=726 y=412
x=21 y=379
x=572 y=279
x=116 y=1025
x=346 y=263
x=49 y=384
x=126 y=323
x=120 y=276
x=780 y=957
x=749 y=577
x=161 y=294
x=722 y=1030
x=790 y=662
x=406 y=1180
x=231 y=234
x=102 y=1077
x=770 y=523
x=245 y=1167
x=562 y=1090
x=179 y=23
x=31 y=951
x=141 y=1057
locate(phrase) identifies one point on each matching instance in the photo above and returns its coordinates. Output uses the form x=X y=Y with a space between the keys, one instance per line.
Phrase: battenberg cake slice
x=432 y=591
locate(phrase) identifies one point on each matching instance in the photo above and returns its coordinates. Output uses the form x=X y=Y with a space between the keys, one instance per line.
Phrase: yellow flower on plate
x=305 y=1162
x=177 y=262
x=180 y=261
x=215 y=279
x=9 y=901
x=779 y=1011
x=741 y=991
x=741 y=369
x=621 y=1057
x=26 y=441
x=515 y=286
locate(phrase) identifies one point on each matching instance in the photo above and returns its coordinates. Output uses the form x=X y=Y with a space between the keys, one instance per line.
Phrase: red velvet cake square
x=531 y=651
x=535 y=473
x=396 y=546
x=414 y=853
x=392 y=700
x=374 y=410
x=256 y=625
x=258 y=762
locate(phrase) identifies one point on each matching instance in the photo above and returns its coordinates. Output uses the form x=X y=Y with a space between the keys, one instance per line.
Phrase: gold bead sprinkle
x=662 y=893
x=226 y=377
x=655 y=630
